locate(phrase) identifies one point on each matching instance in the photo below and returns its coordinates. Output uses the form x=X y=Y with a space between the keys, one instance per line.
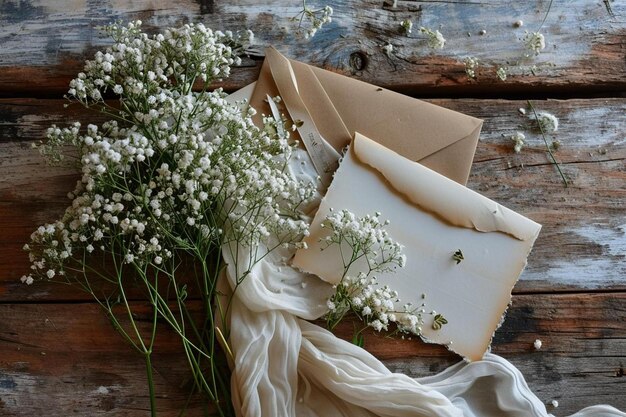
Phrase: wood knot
x=358 y=61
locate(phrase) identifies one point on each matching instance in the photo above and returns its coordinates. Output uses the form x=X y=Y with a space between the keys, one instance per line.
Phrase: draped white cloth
x=285 y=366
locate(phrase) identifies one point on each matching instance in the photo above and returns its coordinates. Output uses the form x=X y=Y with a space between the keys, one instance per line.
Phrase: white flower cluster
x=138 y=65
x=406 y=26
x=366 y=238
x=316 y=18
x=535 y=42
x=367 y=243
x=434 y=38
x=519 y=139
x=501 y=73
x=548 y=122
x=375 y=305
x=471 y=66
x=183 y=170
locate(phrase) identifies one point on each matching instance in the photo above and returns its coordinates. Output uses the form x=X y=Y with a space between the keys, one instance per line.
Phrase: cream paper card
x=433 y=217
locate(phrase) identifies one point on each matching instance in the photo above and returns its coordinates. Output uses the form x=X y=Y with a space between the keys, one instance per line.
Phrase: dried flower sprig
x=316 y=18
x=501 y=73
x=406 y=26
x=471 y=67
x=173 y=179
x=364 y=243
x=535 y=42
x=434 y=38
x=552 y=123
x=519 y=140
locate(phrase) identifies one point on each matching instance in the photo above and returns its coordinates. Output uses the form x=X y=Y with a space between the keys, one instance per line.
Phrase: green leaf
x=439 y=322
x=458 y=256
x=358 y=340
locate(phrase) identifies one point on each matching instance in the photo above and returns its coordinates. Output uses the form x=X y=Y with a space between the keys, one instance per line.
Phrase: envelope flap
x=422 y=187
x=410 y=127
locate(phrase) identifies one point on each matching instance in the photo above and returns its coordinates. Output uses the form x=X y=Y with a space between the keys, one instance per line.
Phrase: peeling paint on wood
x=45 y=43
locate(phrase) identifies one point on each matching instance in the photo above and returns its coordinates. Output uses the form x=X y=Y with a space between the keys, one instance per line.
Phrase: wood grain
x=582 y=245
x=67 y=358
x=45 y=43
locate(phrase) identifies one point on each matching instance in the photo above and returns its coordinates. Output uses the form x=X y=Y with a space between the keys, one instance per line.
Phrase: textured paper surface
x=339 y=106
x=432 y=217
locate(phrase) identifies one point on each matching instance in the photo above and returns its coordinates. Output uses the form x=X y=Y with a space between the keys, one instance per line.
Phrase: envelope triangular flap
x=339 y=106
x=392 y=119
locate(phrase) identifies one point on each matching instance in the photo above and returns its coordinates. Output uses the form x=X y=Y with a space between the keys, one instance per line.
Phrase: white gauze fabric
x=285 y=366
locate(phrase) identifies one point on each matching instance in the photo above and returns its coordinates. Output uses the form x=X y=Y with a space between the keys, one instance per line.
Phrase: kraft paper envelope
x=335 y=107
x=432 y=217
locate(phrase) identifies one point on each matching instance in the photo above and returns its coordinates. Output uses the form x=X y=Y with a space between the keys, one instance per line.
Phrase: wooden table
x=58 y=354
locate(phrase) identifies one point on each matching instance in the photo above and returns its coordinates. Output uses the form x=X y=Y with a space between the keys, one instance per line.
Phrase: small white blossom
x=537 y=344
x=501 y=74
x=315 y=19
x=519 y=140
x=406 y=26
x=471 y=66
x=535 y=42
x=435 y=39
x=27 y=279
x=548 y=122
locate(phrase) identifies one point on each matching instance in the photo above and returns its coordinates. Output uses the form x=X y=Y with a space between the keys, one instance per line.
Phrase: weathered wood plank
x=45 y=43
x=582 y=245
x=62 y=360
x=67 y=357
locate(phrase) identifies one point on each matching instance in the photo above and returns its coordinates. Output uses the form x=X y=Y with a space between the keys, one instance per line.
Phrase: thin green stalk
x=546 y=15
x=543 y=135
x=150 y=384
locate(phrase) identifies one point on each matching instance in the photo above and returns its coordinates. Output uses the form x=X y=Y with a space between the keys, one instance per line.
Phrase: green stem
x=150 y=385
x=543 y=135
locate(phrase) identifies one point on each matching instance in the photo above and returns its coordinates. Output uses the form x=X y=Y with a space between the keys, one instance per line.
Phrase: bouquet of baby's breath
x=175 y=177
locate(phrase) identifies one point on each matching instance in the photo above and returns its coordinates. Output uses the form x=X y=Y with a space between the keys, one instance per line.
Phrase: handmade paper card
x=464 y=252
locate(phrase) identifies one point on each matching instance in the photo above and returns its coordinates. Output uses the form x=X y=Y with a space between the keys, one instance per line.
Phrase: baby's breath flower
x=27 y=279
x=316 y=18
x=406 y=26
x=434 y=38
x=365 y=238
x=180 y=169
x=548 y=122
x=519 y=140
x=535 y=42
x=501 y=73
x=471 y=66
